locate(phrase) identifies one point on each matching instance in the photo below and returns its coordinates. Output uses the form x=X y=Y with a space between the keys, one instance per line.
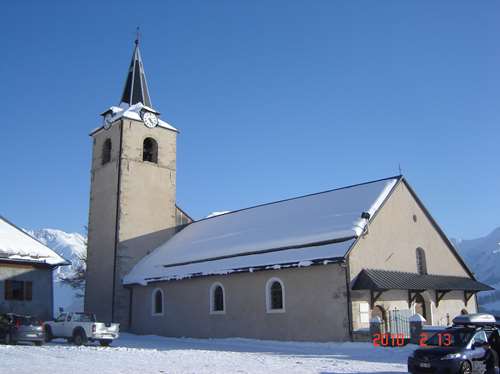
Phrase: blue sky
x=273 y=100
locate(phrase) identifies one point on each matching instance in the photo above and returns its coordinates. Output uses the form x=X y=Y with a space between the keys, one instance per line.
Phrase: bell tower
x=132 y=195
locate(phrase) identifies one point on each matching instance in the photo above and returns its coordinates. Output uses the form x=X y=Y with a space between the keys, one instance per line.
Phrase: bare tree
x=77 y=278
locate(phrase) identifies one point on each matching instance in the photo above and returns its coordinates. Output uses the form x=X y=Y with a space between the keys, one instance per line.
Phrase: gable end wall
x=394 y=237
x=391 y=244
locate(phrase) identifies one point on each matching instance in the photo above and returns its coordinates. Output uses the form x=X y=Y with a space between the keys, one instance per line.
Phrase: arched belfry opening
x=150 y=150
x=106 y=151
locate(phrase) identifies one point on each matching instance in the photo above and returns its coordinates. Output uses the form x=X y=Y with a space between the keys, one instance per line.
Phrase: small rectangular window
x=18 y=290
x=364 y=312
x=14 y=290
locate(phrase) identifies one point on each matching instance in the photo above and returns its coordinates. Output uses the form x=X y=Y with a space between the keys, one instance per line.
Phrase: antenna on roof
x=137 y=35
x=400 y=170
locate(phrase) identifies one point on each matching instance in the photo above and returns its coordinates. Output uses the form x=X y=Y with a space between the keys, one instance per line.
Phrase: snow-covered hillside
x=72 y=247
x=483 y=256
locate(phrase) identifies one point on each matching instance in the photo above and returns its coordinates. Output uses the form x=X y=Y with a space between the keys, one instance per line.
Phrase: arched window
x=217 y=299
x=157 y=302
x=106 y=151
x=275 y=296
x=150 y=150
x=420 y=306
x=421 y=263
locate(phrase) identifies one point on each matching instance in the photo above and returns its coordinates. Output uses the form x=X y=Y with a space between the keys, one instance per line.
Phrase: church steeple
x=136 y=87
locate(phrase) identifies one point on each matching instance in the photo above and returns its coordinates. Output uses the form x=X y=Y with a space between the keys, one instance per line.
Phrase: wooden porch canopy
x=380 y=281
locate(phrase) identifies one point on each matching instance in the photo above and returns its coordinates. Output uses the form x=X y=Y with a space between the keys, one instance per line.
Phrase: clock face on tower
x=150 y=119
x=107 y=120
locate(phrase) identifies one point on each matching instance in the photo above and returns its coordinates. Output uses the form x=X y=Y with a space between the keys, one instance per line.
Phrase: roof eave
x=32 y=262
x=247 y=269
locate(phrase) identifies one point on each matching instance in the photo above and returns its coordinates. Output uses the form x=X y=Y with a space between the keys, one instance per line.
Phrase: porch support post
x=467 y=296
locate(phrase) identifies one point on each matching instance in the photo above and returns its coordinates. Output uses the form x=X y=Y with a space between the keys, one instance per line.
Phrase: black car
x=17 y=328
x=464 y=348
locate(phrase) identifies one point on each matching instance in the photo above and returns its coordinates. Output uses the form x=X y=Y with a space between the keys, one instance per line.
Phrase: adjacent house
x=26 y=266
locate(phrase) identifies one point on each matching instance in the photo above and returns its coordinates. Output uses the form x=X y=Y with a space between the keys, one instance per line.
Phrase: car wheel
x=104 y=343
x=48 y=334
x=39 y=343
x=79 y=338
x=466 y=368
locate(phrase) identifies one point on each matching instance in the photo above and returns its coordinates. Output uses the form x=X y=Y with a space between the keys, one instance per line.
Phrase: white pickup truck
x=81 y=328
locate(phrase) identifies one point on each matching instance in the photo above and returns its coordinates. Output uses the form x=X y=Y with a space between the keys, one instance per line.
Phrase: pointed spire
x=136 y=87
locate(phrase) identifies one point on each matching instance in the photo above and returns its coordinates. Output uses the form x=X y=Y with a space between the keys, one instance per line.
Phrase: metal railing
x=399 y=322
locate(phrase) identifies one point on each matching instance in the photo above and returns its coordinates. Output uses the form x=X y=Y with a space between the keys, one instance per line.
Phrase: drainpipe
x=345 y=265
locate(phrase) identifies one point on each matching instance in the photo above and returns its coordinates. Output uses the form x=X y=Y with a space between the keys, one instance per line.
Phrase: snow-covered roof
x=213 y=214
x=280 y=259
x=132 y=112
x=307 y=228
x=17 y=245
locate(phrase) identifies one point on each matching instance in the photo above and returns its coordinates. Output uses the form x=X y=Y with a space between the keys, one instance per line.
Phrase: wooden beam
x=374 y=296
x=467 y=296
x=412 y=295
x=439 y=296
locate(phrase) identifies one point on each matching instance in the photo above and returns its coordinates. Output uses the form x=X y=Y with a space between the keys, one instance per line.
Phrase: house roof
x=321 y=226
x=18 y=246
x=383 y=280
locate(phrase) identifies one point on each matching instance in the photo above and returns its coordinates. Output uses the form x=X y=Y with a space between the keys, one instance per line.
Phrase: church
x=310 y=268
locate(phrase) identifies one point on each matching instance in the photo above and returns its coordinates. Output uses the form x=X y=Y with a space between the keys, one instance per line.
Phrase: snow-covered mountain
x=483 y=257
x=71 y=246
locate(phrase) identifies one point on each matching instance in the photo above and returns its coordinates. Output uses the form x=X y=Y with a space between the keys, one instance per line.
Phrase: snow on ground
x=153 y=354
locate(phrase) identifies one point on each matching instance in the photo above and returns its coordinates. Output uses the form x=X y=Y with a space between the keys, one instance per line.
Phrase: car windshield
x=83 y=317
x=451 y=338
x=26 y=321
